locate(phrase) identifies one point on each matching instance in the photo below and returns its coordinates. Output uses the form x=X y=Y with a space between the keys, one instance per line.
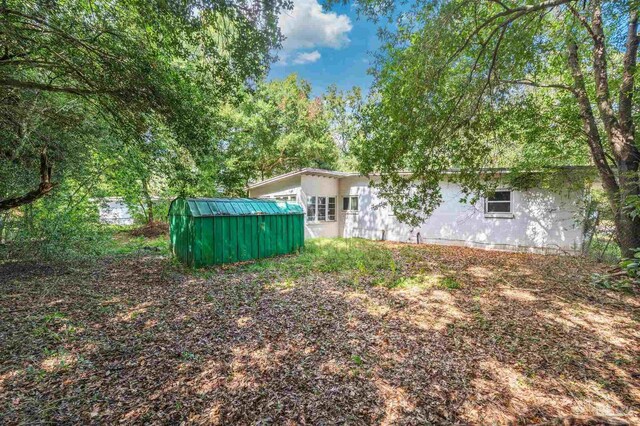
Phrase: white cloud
x=307 y=57
x=308 y=26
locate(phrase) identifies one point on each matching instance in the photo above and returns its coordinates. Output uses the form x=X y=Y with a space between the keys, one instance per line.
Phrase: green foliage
x=65 y=226
x=450 y=283
x=632 y=266
x=625 y=279
x=632 y=206
x=121 y=98
x=472 y=85
x=349 y=258
x=123 y=244
x=344 y=112
x=275 y=129
x=607 y=282
x=357 y=360
x=56 y=227
x=422 y=281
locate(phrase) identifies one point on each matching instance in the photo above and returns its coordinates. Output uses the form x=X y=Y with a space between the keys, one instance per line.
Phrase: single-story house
x=342 y=204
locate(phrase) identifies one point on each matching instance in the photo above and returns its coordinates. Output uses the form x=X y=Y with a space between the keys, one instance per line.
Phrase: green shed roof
x=206 y=207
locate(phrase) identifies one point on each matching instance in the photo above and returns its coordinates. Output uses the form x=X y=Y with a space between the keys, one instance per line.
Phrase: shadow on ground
x=509 y=338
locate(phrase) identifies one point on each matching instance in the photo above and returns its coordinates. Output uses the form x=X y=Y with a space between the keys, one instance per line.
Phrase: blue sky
x=326 y=47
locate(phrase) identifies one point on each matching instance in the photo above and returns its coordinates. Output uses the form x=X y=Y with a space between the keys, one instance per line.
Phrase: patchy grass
x=339 y=256
x=123 y=243
x=350 y=331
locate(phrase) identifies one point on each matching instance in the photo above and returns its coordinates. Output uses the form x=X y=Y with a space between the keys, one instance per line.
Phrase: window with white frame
x=498 y=202
x=350 y=204
x=311 y=209
x=331 y=209
x=321 y=209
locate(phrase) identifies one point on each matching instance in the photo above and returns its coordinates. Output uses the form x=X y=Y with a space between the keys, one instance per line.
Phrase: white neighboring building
x=341 y=204
x=114 y=211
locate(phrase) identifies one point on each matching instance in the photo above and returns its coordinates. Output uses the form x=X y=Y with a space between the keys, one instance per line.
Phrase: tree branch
x=43 y=189
x=511 y=15
x=582 y=20
x=51 y=88
x=591 y=128
x=629 y=69
x=600 y=72
x=526 y=82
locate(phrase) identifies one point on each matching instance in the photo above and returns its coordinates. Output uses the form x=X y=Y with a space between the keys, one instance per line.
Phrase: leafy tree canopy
x=275 y=129
x=474 y=84
x=80 y=80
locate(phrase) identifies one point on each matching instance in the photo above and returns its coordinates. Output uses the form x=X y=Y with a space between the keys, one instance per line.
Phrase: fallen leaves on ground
x=504 y=339
x=151 y=230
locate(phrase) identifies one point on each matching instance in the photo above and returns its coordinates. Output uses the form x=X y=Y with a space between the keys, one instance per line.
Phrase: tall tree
x=452 y=73
x=277 y=128
x=344 y=112
x=125 y=63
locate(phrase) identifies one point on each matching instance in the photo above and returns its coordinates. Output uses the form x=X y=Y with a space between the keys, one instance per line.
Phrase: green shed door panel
x=281 y=235
x=291 y=246
x=206 y=235
x=266 y=243
x=273 y=235
x=197 y=242
x=260 y=234
x=244 y=237
x=300 y=231
x=180 y=237
x=255 y=239
x=233 y=238
x=218 y=240
x=190 y=242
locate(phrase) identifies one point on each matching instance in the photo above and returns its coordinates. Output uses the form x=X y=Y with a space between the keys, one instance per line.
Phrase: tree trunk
x=617 y=186
x=43 y=189
x=148 y=200
x=627 y=227
x=3 y=219
x=627 y=234
x=619 y=130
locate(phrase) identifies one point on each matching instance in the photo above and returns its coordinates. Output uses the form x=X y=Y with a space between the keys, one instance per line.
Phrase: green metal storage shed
x=211 y=231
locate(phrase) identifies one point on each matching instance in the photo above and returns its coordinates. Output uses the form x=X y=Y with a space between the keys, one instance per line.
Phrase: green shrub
x=55 y=227
x=632 y=266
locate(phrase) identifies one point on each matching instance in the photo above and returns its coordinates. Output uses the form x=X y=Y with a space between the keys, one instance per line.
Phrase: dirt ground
x=511 y=339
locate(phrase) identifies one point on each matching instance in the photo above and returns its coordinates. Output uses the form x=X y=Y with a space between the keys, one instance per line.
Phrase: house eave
x=453 y=171
x=307 y=172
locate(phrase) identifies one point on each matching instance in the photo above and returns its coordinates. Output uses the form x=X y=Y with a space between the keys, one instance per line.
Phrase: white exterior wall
x=542 y=220
x=369 y=221
x=303 y=187
x=320 y=186
x=114 y=211
x=289 y=187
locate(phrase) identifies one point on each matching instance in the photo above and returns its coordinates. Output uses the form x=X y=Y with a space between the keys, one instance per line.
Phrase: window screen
x=322 y=208
x=345 y=203
x=311 y=209
x=331 y=208
x=499 y=202
x=354 y=203
x=350 y=203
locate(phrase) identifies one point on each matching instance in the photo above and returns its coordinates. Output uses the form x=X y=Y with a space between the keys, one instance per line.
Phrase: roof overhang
x=338 y=175
x=306 y=172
